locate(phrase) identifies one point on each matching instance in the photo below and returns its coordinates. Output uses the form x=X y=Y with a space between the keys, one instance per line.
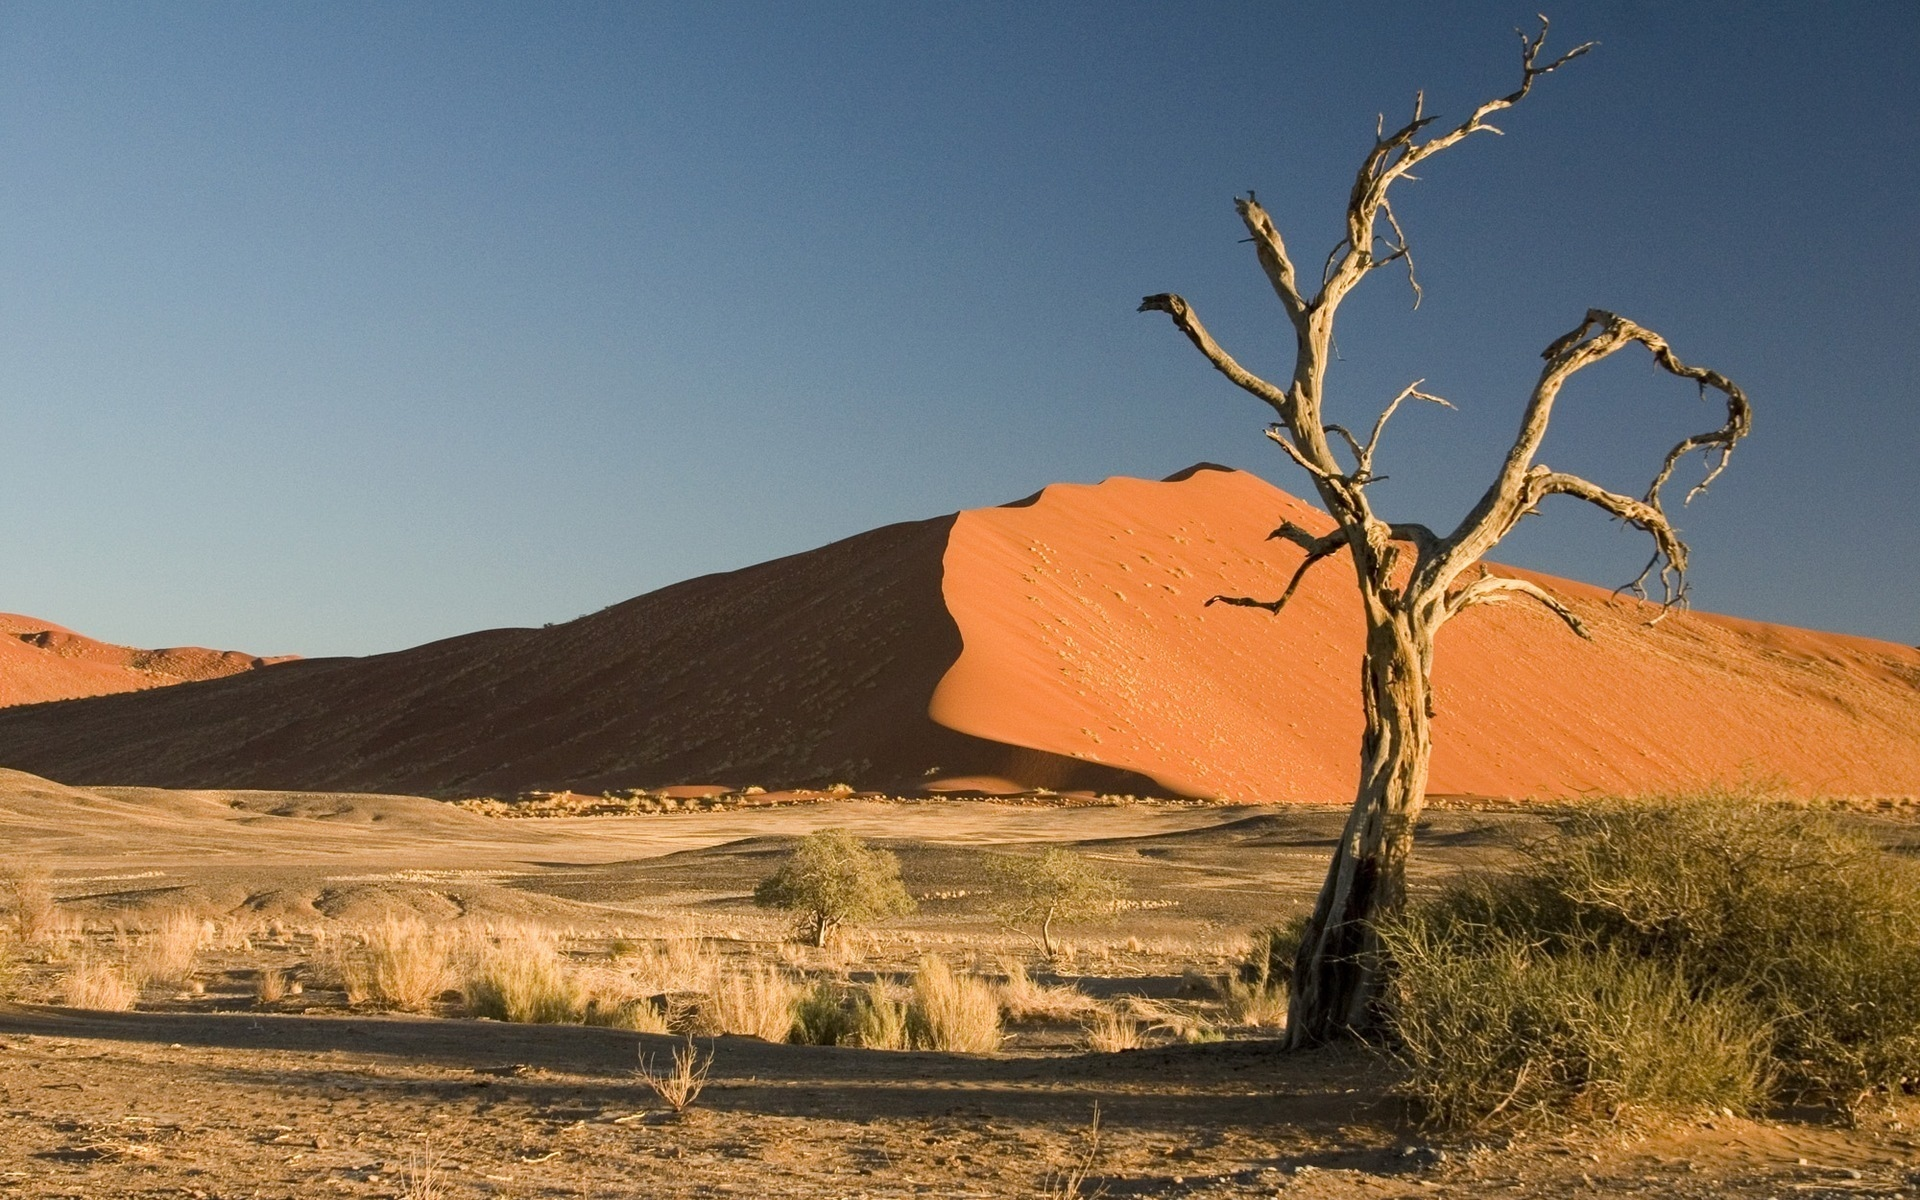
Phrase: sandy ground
x=211 y=1095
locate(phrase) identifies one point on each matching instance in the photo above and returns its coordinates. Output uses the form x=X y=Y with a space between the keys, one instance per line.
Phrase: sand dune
x=1061 y=642
x=41 y=661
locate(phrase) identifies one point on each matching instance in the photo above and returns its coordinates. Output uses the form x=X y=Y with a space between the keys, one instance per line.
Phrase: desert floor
x=206 y=1091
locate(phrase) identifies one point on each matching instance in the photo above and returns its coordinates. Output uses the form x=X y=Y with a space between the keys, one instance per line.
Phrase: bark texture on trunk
x=1336 y=974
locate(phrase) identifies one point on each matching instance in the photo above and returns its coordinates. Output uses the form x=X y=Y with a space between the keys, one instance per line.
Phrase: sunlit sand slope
x=41 y=661
x=1059 y=642
x=1086 y=635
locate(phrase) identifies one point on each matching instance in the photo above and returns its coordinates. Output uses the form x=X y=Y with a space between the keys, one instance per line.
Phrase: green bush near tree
x=1711 y=951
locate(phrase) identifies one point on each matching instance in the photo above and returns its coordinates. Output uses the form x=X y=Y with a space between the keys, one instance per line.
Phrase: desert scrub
x=1109 y=1032
x=26 y=899
x=523 y=977
x=755 y=1001
x=169 y=950
x=1758 y=912
x=826 y=1015
x=1022 y=999
x=880 y=1018
x=952 y=1012
x=940 y=1010
x=400 y=963
x=831 y=878
x=1496 y=1032
x=107 y=987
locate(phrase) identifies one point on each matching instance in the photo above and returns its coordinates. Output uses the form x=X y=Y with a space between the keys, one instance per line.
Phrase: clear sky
x=336 y=328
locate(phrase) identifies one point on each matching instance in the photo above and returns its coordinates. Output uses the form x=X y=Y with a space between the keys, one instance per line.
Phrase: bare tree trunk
x=1336 y=974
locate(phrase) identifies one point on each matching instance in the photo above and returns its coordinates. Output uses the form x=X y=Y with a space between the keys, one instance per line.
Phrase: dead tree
x=1412 y=580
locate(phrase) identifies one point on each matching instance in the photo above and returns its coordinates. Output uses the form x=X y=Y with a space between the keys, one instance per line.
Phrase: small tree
x=1056 y=886
x=832 y=878
x=1413 y=580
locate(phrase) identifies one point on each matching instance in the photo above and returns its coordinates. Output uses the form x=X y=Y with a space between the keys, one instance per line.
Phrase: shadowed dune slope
x=41 y=661
x=811 y=669
x=1061 y=642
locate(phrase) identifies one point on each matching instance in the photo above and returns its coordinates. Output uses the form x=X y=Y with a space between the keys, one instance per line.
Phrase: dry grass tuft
x=1110 y=1032
x=421 y=1179
x=681 y=1084
x=1256 y=1005
x=523 y=977
x=107 y=987
x=951 y=1012
x=757 y=1001
x=1023 y=1000
x=401 y=963
x=27 y=894
x=270 y=985
x=1071 y=1183
x=167 y=952
x=880 y=1018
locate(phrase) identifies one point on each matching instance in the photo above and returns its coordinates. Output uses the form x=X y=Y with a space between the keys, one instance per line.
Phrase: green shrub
x=1747 y=906
x=832 y=878
x=825 y=1015
x=1493 y=1031
x=1059 y=886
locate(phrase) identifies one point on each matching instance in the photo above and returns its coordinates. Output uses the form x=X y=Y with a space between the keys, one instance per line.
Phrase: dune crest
x=41 y=661
x=1085 y=633
x=1061 y=641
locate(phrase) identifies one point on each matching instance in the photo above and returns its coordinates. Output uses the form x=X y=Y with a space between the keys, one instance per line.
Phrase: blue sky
x=339 y=328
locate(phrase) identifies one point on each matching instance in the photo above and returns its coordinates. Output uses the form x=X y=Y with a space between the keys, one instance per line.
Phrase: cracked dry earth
x=232 y=1105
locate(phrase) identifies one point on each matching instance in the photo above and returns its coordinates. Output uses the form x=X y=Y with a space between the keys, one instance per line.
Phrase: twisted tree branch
x=1492 y=589
x=1189 y=324
x=1317 y=549
x=1521 y=485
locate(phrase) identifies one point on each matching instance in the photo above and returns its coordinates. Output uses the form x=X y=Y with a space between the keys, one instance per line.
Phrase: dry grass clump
x=940 y=1010
x=1109 y=1032
x=1023 y=1000
x=26 y=898
x=270 y=985
x=682 y=964
x=523 y=977
x=167 y=952
x=880 y=1018
x=107 y=987
x=952 y=1012
x=757 y=1001
x=400 y=963
x=1763 y=942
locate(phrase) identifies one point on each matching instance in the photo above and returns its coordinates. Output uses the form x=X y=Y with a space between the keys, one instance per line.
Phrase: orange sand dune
x=41 y=661
x=1059 y=642
x=1086 y=636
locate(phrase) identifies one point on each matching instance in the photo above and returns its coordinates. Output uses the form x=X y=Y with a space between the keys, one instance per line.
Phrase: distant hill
x=1061 y=642
x=41 y=661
